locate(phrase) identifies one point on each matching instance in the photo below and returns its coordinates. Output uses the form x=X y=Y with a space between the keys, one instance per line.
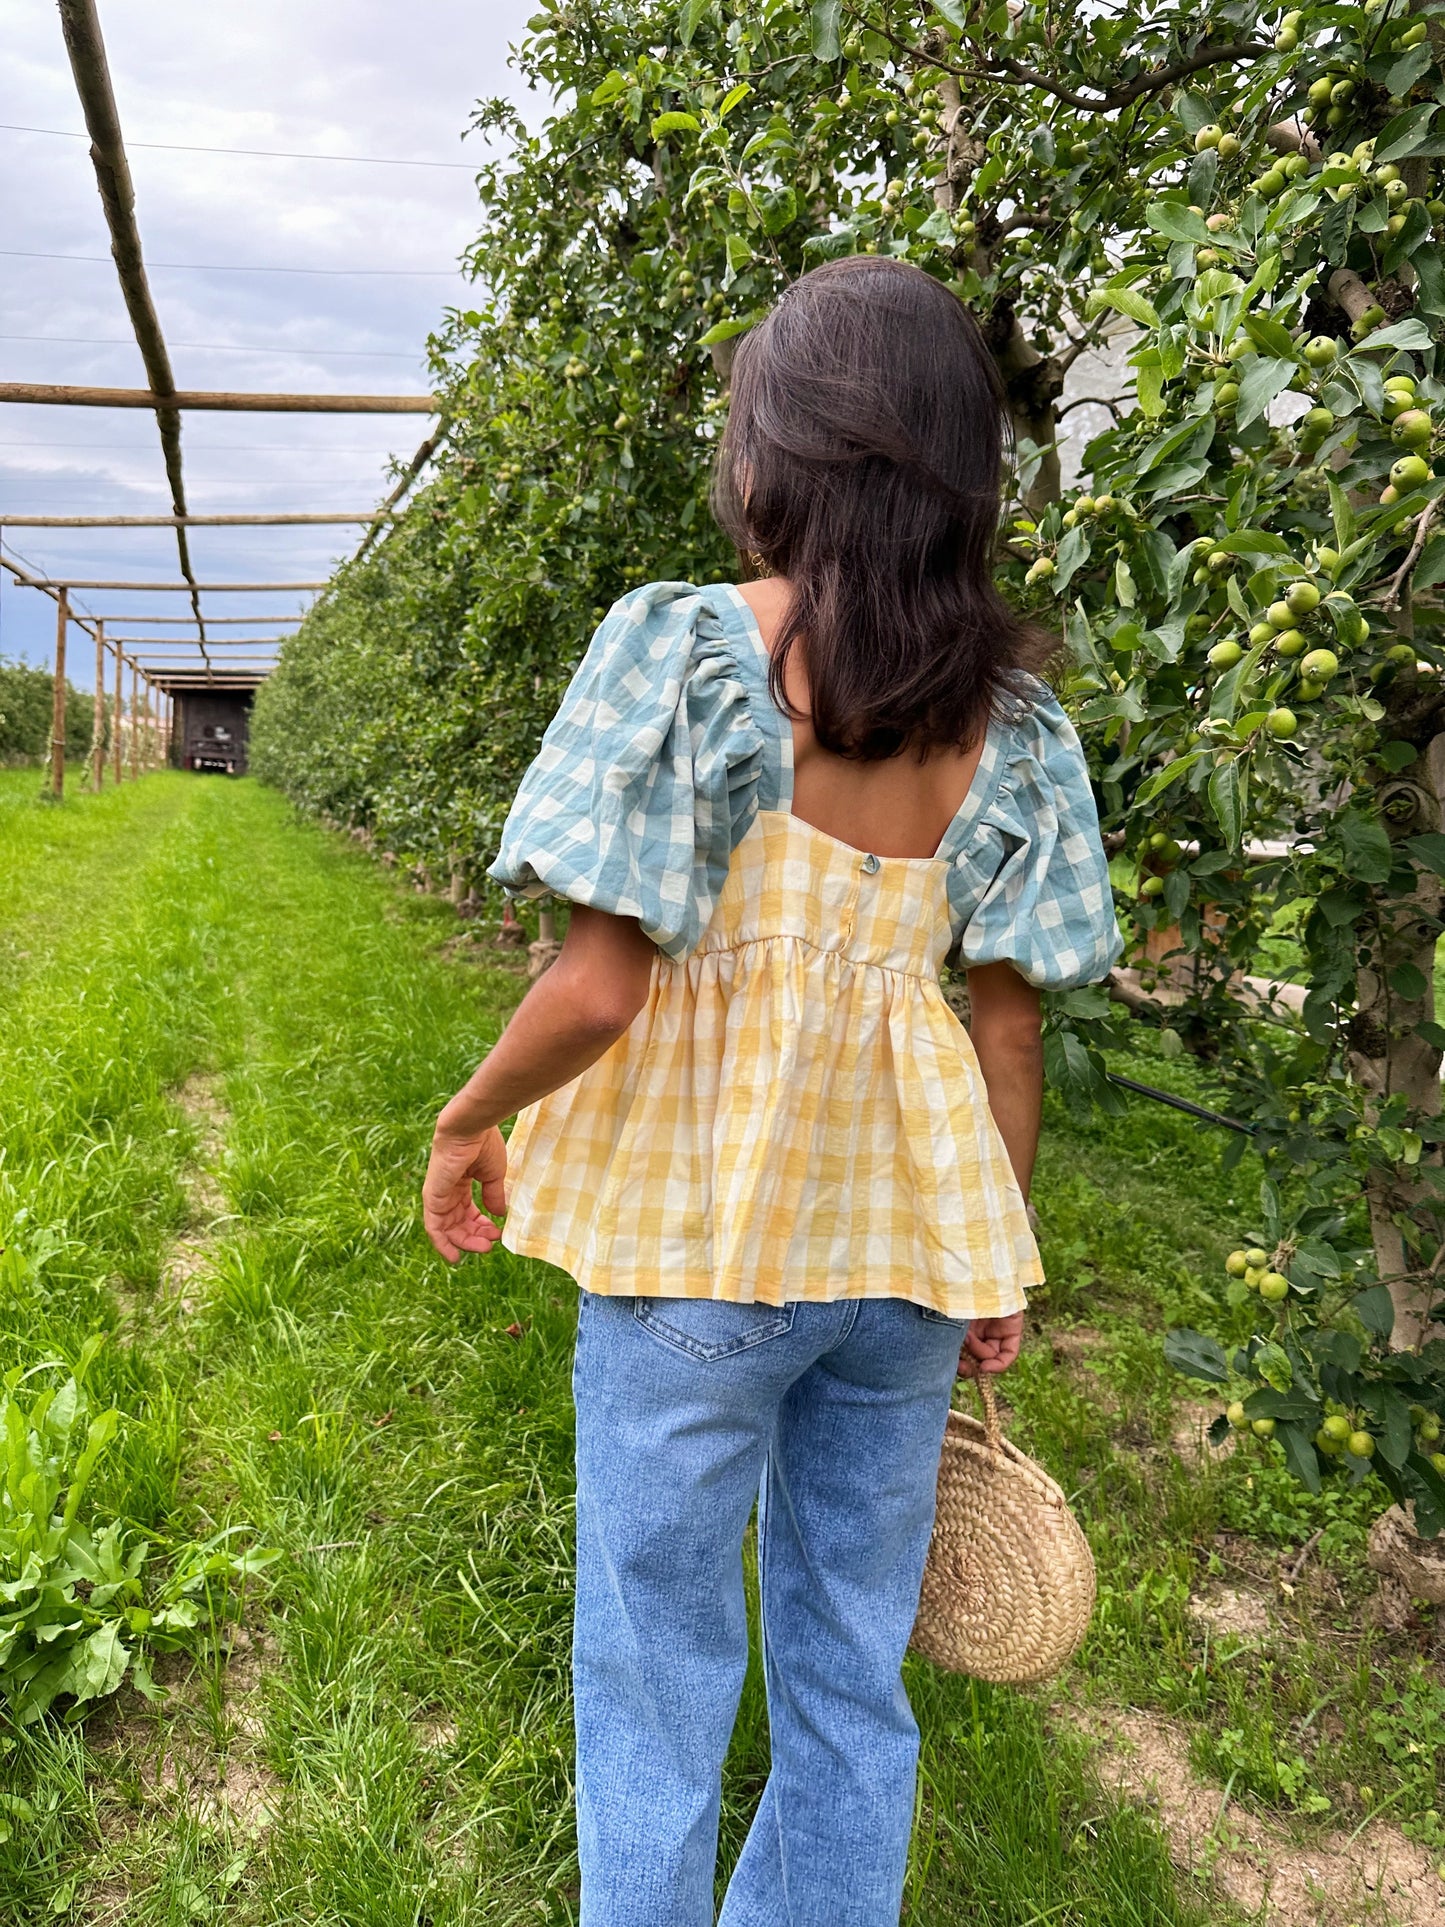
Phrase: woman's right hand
x=449 y=1211
x=991 y=1345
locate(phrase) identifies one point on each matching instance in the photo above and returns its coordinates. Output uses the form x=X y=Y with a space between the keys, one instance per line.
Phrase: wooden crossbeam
x=212 y=642
x=168 y=588
x=50 y=394
x=185 y=521
x=189 y=622
x=191 y=642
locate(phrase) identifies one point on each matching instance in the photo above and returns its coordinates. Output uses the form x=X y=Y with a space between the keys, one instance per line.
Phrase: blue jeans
x=832 y=1415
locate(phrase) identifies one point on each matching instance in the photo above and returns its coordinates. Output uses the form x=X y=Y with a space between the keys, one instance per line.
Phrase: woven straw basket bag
x=1009 y=1584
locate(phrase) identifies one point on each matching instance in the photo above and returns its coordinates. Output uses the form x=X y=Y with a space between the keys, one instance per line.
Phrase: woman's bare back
x=901 y=807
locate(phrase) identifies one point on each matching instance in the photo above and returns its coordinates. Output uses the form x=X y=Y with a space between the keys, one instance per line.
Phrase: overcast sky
x=372 y=77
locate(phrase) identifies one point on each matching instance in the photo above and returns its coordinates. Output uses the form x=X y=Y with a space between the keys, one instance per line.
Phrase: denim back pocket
x=711 y=1328
x=943 y=1318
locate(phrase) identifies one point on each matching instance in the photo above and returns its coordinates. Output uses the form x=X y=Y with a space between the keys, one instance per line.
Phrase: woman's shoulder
x=1034 y=732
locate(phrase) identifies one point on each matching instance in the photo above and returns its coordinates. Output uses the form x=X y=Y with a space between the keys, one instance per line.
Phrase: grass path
x=210 y=984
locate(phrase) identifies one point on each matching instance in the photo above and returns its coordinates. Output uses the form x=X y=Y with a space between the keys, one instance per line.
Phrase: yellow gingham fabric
x=795 y=1113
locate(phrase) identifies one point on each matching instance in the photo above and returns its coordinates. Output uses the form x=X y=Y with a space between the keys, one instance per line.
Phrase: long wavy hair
x=861 y=460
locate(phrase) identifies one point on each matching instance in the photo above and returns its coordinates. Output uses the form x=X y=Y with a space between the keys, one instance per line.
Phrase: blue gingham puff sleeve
x=649 y=772
x=1033 y=877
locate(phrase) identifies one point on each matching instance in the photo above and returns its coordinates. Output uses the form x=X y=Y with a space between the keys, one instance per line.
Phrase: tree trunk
x=1389 y=1057
x=1032 y=381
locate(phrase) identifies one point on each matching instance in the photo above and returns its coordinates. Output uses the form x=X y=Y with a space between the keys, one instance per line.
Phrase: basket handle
x=993 y=1431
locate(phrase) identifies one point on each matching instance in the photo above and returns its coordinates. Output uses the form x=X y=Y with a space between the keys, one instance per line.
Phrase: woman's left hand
x=991 y=1345
x=449 y=1210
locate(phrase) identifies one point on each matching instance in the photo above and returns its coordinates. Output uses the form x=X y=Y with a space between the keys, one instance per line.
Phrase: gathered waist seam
x=818 y=949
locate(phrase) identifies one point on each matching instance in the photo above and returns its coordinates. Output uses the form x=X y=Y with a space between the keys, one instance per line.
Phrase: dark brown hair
x=861 y=460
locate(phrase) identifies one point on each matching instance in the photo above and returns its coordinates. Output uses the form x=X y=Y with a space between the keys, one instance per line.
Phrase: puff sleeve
x=1034 y=877
x=649 y=773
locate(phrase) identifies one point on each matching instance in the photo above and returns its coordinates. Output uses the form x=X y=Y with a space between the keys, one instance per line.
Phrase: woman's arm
x=1006 y=1026
x=572 y=1014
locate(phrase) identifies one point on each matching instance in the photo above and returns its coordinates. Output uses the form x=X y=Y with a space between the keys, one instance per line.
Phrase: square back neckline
x=976 y=798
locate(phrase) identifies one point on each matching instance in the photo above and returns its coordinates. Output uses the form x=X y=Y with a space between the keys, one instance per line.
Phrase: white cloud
x=366 y=78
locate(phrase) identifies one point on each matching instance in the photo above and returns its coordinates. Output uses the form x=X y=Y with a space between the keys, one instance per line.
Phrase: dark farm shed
x=210 y=720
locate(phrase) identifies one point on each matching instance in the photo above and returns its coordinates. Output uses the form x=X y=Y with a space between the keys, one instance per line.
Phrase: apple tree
x=1228 y=214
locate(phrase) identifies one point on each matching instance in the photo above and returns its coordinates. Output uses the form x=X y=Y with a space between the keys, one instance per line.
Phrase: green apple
x=1224 y=655
x=1261 y=632
x=1286 y=40
x=1399 y=385
x=1289 y=642
x=1208 y=136
x=1282 y=724
x=1252 y=1277
x=1320 y=664
x=1361 y=1445
x=1320 y=351
x=1236 y=1414
x=1274 y=1287
x=1302 y=598
x=1280 y=615
x=1338 y=1427
x=1152 y=887
x=1229 y=147
x=1259 y=1259
x=1317 y=422
x=1307 y=691
x=1411 y=471
x=1041 y=570
x=1413 y=429
x=1270 y=184
x=1237 y=1263
x=1262 y=1428
x=1320 y=91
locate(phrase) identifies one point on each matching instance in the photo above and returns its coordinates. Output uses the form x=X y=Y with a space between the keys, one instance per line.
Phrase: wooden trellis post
x=134 y=721
x=97 y=727
x=57 y=713
x=115 y=749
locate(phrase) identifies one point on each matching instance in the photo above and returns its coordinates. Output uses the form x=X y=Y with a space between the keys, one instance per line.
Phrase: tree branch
x=1153 y=81
x=1391 y=600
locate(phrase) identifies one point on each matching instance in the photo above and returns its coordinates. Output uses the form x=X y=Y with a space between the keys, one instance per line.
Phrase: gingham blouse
x=667 y=746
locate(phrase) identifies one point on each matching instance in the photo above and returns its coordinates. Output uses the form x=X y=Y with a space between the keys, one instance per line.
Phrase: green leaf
x=675 y=123
x=1404 y=133
x=1272 y=336
x=1367 y=852
x=1174 y=219
x=733 y=97
x=1271 y=1363
x=1073 y=553
x=1375 y=1310
x=1196 y=1355
x=1407 y=980
x=1264 y=377
x=1159 y=780
x=1410 y=334
x=725 y=330
x=824 y=17
x=687 y=20
x=1127 y=302
x=1224 y=800
x=1300 y=1454
x=1428 y=850
x=616 y=83
x=1149 y=387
